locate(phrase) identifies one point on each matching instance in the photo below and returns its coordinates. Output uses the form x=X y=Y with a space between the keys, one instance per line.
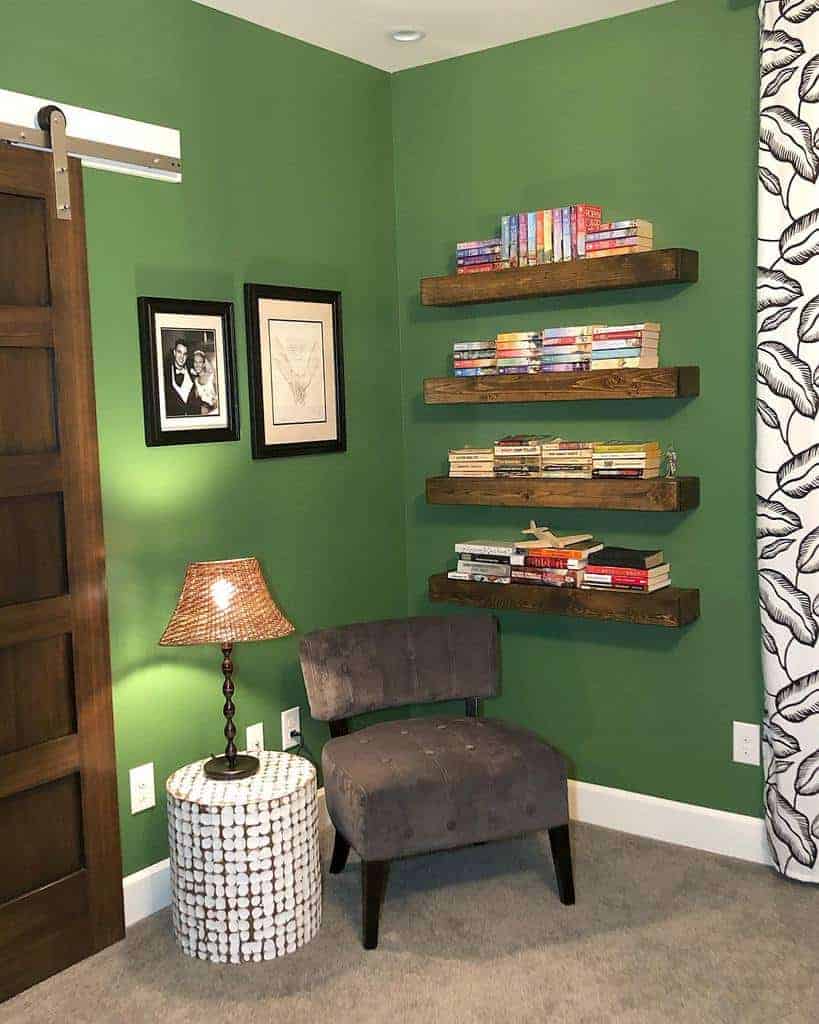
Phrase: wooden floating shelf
x=663 y=494
x=662 y=382
x=671 y=607
x=636 y=270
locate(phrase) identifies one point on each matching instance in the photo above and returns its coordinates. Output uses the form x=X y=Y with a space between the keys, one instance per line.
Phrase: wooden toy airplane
x=544 y=538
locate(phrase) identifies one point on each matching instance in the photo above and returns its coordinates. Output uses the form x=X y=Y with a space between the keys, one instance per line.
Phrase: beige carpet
x=659 y=934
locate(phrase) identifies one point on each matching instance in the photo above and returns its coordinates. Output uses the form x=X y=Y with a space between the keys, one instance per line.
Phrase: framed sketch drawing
x=188 y=371
x=296 y=370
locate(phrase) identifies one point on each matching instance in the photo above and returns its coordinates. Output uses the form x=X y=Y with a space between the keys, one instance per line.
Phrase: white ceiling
x=360 y=28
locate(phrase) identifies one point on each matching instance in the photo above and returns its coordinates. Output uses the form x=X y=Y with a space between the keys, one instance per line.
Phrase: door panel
x=27 y=376
x=29 y=824
x=62 y=899
x=23 y=251
x=32 y=550
x=39 y=695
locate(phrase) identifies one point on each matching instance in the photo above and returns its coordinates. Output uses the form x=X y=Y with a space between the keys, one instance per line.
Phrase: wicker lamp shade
x=224 y=603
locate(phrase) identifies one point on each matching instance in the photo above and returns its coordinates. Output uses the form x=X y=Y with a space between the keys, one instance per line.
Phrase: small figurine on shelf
x=671 y=461
x=544 y=538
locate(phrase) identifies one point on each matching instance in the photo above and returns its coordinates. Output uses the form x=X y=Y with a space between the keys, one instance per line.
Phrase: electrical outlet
x=255 y=738
x=746 y=743
x=143 y=792
x=291 y=722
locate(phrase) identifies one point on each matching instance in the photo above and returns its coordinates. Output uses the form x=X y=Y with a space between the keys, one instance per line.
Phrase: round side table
x=245 y=867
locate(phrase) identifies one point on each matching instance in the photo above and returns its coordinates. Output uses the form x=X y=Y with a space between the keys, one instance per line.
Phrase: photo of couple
x=191 y=387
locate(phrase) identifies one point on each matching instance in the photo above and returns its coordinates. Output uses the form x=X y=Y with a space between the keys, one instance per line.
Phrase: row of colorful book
x=589 y=565
x=560 y=349
x=522 y=456
x=553 y=236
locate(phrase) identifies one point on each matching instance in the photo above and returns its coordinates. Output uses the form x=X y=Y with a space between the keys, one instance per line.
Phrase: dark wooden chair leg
x=562 y=857
x=341 y=851
x=373 y=886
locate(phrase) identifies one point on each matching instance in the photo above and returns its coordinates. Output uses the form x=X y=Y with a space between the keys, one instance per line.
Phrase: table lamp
x=224 y=603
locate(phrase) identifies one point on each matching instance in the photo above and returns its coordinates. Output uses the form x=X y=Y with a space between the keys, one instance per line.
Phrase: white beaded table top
x=279 y=776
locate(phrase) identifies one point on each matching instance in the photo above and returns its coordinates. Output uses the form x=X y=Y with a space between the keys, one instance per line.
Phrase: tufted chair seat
x=422 y=784
x=416 y=785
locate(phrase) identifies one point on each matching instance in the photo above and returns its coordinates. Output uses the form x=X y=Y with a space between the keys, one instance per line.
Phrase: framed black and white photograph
x=296 y=370
x=188 y=371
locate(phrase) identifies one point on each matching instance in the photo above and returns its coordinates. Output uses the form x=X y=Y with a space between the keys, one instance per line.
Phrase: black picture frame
x=155 y=435
x=261 y=449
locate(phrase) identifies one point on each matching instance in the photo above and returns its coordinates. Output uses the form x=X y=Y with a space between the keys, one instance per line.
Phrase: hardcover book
x=628 y=558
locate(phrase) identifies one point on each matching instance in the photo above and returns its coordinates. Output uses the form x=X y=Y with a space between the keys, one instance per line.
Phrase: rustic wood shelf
x=636 y=270
x=661 y=495
x=662 y=382
x=672 y=607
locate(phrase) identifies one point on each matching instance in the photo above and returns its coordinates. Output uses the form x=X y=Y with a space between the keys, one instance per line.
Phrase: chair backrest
x=372 y=665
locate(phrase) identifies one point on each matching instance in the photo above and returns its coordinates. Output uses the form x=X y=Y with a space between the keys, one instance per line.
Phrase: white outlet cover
x=143 y=790
x=255 y=738
x=746 y=743
x=291 y=722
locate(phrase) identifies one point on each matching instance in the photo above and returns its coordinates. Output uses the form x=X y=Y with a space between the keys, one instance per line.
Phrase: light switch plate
x=291 y=722
x=746 y=743
x=143 y=790
x=255 y=738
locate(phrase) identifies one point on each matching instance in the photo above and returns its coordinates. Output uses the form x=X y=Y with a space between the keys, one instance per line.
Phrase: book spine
x=480 y=267
x=567 y=233
x=471 y=261
x=557 y=235
x=573 y=219
x=548 y=246
x=478 y=244
x=505 y=236
x=601 y=236
x=488 y=372
x=616 y=243
x=531 y=236
x=541 y=256
x=523 y=240
x=625 y=250
x=635 y=224
x=513 y=240
x=471 y=548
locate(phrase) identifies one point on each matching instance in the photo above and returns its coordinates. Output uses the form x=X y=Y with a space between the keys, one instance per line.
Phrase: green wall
x=650 y=115
x=288 y=180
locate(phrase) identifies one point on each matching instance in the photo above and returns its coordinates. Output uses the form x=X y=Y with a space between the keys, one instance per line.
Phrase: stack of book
x=518 y=456
x=626 y=569
x=469 y=461
x=618 y=237
x=485 y=254
x=548 y=236
x=555 y=567
x=613 y=348
x=486 y=561
x=518 y=352
x=626 y=460
x=567 y=459
x=473 y=358
x=567 y=349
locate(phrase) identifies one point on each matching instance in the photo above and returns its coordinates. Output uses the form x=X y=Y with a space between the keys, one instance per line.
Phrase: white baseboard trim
x=146 y=891
x=702 y=828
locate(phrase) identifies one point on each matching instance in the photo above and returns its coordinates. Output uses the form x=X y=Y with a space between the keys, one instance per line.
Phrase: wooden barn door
x=60 y=868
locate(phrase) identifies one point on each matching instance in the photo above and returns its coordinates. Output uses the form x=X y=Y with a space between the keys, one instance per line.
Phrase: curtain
x=787 y=402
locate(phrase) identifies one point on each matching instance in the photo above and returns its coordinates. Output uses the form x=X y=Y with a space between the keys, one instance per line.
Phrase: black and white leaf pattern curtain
x=788 y=428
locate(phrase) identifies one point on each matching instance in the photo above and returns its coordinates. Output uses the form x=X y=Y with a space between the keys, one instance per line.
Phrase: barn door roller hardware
x=51 y=135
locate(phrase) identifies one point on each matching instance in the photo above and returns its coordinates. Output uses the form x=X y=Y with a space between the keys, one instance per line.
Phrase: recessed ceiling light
x=407 y=35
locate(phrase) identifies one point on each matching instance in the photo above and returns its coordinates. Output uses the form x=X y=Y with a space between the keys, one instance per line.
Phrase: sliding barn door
x=60 y=869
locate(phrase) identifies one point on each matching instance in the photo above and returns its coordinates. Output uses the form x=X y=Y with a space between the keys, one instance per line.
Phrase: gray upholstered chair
x=415 y=785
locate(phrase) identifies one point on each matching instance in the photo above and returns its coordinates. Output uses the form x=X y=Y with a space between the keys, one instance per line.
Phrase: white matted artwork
x=188 y=371
x=296 y=372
